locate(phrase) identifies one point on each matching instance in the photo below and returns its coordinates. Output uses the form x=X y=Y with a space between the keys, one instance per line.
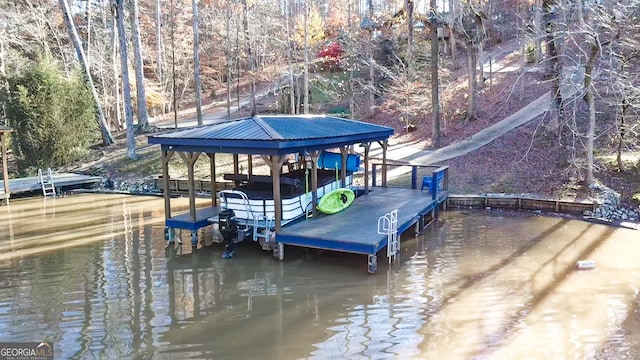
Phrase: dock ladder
x=388 y=224
x=262 y=221
x=46 y=181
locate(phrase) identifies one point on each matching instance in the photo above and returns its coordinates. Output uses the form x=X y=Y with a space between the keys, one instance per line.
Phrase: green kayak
x=336 y=200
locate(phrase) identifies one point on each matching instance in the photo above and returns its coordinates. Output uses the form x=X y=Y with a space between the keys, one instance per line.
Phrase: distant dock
x=32 y=184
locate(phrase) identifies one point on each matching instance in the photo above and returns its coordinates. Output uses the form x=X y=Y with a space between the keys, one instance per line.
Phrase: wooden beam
x=343 y=171
x=367 y=147
x=249 y=164
x=315 y=155
x=266 y=159
x=212 y=165
x=166 y=156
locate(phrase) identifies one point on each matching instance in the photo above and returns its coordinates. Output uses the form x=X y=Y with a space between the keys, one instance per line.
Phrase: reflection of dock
x=60 y=180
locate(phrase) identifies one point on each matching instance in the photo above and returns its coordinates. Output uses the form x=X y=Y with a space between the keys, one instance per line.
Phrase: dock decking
x=355 y=230
x=184 y=222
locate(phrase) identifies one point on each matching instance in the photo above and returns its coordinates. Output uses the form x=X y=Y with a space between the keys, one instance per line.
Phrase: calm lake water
x=91 y=274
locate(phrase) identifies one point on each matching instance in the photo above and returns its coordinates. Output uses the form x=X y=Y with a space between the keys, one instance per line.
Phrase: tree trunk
x=116 y=77
x=107 y=139
x=435 y=98
x=589 y=99
x=128 y=109
x=621 y=133
x=196 y=61
x=408 y=6
x=159 y=69
x=481 y=64
x=306 y=59
x=251 y=57
x=174 y=88
x=292 y=95
x=228 y=53
x=372 y=78
x=87 y=11
x=371 y=60
x=472 y=110
x=452 y=36
x=141 y=99
x=553 y=69
x=538 y=31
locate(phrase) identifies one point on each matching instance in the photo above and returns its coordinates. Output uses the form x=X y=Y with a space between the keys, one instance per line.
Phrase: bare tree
x=196 y=61
x=107 y=138
x=128 y=109
x=306 y=58
x=408 y=8
x=435 y=98
x=158 y=28
x=289 y=52
x=141 y=100
x=549 y=14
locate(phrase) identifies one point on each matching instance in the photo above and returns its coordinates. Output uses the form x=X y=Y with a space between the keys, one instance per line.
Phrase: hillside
x=527 y=160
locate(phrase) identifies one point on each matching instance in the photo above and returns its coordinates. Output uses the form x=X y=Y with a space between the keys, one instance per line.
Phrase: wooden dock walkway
x=355 y=229
x=60 y=180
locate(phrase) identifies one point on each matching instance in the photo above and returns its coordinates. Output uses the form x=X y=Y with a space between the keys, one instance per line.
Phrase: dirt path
x=484 y=137
x=216 y=112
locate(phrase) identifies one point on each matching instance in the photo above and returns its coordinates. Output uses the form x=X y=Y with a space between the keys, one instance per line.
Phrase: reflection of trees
x=281 y=309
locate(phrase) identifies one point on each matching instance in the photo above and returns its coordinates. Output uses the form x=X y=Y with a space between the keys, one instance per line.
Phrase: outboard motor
x=228 y=227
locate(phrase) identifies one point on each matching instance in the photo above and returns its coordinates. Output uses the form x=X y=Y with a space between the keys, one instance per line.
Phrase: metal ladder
x=48 y=188
x=388 y=224
x=264 y=222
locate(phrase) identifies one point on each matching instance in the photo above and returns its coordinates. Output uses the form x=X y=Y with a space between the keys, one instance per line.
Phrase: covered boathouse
x=274 y=138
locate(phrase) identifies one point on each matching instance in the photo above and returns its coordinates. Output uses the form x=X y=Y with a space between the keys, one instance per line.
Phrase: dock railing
x=412 y=176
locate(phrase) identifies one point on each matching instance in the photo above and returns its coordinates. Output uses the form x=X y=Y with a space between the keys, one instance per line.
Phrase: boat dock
x=356 y=229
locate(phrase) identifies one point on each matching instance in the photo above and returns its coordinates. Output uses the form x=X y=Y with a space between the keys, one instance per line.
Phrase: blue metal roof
x=272 y=135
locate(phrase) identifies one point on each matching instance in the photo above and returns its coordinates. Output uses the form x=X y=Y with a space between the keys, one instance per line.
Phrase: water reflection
x=91 y=274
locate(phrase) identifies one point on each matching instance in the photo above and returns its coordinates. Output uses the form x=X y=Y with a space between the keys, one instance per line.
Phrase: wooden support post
x=214 y=191
x=414 y=177
x=190 y=160
x=166 y=156
x=250 y=164
x=236 y=168
x=343 y=170
x=384 y=145
x=367 y=147
x=315 y=155
x=276 y=166
x=5 y=171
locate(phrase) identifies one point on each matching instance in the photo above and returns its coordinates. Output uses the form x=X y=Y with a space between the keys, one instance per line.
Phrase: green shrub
x=53 y=116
